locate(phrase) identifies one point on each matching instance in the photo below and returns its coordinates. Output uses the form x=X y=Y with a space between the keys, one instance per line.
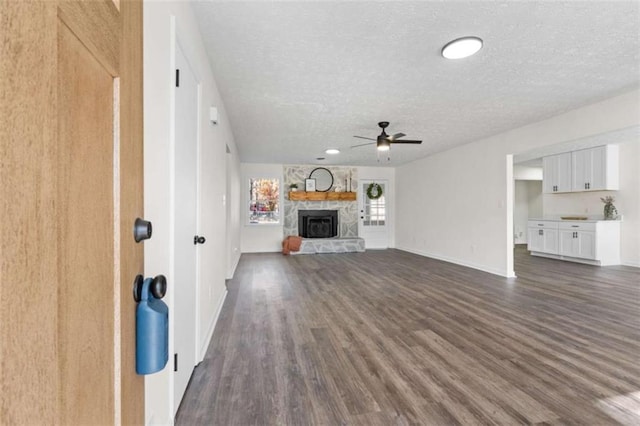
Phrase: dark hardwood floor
x=388 y=337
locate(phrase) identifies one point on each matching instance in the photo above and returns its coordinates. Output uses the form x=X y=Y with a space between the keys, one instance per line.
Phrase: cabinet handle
x=540 y=232
x=589 y=185
x=575 y=226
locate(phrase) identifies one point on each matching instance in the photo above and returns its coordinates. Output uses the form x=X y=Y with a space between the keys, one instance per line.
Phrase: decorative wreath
x=374 y=191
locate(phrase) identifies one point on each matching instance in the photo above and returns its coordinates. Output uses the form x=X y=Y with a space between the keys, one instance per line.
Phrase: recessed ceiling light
x=332 y=151
x=462 y=47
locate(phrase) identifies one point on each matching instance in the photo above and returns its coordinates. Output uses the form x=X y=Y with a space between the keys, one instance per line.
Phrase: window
x=375 y=212
x=264 y=201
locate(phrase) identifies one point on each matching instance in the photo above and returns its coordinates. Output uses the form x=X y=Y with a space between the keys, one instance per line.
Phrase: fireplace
x=318 y=223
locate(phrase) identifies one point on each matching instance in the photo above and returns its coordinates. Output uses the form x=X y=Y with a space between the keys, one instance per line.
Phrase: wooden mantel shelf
x=321 y=196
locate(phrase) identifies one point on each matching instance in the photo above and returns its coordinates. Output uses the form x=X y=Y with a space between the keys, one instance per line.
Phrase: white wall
x=535 y=198
x=259 y=238
x=527 y=204
x=527 y=173
x=233 y=213
x=627 y=202
x=159 y=42
x=388 y=174
x=460 y=200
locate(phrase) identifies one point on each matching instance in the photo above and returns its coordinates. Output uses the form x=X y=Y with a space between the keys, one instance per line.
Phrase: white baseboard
x=501 y=273
x=232 y=272
x=153 y=422
x=635 y=264
x=212 y=327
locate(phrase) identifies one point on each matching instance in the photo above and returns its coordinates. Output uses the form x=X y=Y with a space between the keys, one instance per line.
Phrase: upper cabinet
x=557 y=173
x=593 y=169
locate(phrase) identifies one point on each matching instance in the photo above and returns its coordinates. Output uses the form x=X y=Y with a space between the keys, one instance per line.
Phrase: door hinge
x=177 y=78
x=175 y=362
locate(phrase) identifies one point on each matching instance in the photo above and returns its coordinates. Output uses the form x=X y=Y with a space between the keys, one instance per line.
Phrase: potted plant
x=293 y=187
x=610 y=211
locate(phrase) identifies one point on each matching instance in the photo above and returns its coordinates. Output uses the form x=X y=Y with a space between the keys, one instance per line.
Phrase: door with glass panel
x=373 y=214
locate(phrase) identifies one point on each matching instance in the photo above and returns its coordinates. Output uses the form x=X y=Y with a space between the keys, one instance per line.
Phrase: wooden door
x=71 y=188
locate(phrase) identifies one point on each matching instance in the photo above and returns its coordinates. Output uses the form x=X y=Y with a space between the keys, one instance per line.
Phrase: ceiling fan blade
x=363 y=144
x=397 y=136
x=362 y=137
x=406 y=141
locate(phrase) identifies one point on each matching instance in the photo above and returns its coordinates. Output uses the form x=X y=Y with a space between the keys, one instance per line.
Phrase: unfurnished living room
x=320 y=212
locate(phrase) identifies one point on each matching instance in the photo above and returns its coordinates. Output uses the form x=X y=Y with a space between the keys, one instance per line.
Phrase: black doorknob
x=198 y=240
x=141 y=230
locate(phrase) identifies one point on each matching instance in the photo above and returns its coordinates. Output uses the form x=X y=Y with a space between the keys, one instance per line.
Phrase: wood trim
x=28 y=214
x=321 y=196
x=131 y=203
x=101 y=37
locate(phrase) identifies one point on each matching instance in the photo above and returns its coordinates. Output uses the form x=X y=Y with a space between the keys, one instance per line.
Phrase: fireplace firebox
x=318 y=223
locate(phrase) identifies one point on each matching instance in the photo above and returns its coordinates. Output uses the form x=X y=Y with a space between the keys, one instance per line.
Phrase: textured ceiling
x=300 y=77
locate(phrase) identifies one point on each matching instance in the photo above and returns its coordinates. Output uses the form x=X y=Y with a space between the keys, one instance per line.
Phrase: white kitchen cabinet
x=543 y=236
x=556 y=173
x=595 y=169
x=595 y=242
x=581 y=244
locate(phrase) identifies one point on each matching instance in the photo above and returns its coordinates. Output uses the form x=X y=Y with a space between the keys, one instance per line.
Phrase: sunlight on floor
x=623 y=408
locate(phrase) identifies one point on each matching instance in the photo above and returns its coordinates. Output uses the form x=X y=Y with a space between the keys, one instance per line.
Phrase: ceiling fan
x=383 y=141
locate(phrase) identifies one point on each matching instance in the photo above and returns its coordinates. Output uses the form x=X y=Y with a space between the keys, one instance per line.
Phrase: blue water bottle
x=152 y=324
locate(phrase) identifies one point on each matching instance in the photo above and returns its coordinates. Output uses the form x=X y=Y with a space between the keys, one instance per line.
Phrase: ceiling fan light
x=332 y=151
x=383 y=146
x=462 y=47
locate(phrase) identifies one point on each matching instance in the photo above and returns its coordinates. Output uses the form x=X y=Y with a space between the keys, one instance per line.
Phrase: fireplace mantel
x=321 y=196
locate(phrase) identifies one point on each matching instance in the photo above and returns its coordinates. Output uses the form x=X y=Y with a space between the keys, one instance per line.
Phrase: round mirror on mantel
x=323 y=177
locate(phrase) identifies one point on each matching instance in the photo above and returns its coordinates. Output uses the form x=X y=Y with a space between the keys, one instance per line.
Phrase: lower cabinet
x=578 y=244
x=543 y=237
x=596 y=242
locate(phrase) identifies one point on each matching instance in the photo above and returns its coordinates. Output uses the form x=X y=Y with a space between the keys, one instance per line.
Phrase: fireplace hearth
x=318 y=223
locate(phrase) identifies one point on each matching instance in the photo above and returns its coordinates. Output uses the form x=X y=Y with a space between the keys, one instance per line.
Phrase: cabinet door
x=569 y=243
x=563 y=172
x=581 y=173
x=598 y=176
x=550 y=241
x=586 y=245
x=535 y=240
x=556 y=173
x=549 y=174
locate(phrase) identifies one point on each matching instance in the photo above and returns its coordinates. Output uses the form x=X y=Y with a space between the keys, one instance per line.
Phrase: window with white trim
x=264 y=201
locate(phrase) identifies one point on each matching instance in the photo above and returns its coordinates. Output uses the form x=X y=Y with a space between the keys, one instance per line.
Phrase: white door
x=535 y=241
x=581 y=169
x=587 y=245
x=569 y=243
x=550 y=241
x=598 y=175
x=185 y=226
x=563 y=172
x=549 y=174
x=373 y=222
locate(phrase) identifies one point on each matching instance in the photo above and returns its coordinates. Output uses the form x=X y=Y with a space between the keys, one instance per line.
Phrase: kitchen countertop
x=558 y=219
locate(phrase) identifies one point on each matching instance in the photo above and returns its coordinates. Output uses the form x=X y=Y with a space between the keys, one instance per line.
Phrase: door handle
x=199 y=240
x=141 y=230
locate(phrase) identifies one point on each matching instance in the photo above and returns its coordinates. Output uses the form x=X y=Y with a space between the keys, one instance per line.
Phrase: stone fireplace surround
x=347 y=210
